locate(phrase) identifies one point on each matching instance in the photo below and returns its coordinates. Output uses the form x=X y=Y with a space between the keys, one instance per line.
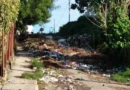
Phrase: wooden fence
x=6 y=49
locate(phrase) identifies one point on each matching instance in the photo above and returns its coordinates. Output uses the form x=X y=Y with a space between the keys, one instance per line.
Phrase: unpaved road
x=22 y=63
x=86 y=83
x=96 y=85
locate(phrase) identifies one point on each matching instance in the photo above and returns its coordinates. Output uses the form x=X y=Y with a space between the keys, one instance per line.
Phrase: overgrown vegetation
x=122 y=76
x=33 y=12
x=83 y=26
x=9 y=10
x=34 y=75
x=38 y=72
x=36 y=63
x=110 y=27
x=8 y=15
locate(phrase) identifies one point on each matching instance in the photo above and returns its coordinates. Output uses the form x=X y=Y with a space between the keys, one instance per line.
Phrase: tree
x=8 y=13
x=112 y=17
x=41 y=30
x=103 y=10
x=33 y=12
x=83 y=26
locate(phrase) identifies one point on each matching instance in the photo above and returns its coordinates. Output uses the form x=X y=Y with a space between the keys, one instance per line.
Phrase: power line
x=62 y=15
x=69 y=9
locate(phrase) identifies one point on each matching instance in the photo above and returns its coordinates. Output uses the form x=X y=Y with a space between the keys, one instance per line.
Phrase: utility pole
x=54 y=25
x=69 y=9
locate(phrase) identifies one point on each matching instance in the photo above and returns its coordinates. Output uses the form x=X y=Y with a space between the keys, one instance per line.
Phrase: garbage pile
x=61 y=55
x=50 y=76
x=81 y=41
x=39 y=44
x=78 y=40
x=51 y=48
x=61 y=82
x=66 y=56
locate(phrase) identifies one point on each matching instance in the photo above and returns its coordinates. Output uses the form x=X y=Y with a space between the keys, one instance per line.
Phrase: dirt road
x=96 y=85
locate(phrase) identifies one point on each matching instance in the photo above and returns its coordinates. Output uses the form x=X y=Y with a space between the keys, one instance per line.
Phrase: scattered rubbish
x=107 y=75
x=11 y=81
x=61 y=40
x=61 y=55
x=80 y=79
x=48 y=37
x=61 y=76
x=49 y=76
x=53 y=79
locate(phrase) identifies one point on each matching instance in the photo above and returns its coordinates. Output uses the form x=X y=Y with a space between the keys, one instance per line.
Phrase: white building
x=29 y=28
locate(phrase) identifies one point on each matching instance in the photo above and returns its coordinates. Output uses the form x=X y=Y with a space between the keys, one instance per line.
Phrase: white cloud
x=30 y=28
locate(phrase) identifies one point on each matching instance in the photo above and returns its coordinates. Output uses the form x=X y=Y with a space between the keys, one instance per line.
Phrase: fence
x=6 y=49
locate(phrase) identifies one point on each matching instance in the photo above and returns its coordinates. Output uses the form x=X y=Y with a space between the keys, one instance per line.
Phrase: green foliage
x=117 y=41
x=81 y=26
x=33 y=12
x=103 y=9
x=8 y=13
x=37 y=64
x=35 y=75
x=119 y=36
x=112 y=17
x=122 y=76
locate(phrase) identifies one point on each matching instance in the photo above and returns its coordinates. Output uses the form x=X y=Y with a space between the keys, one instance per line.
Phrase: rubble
x=59 y=54
x=106 y=75
x=63 y=82
x=48 y=79
x=48 y=37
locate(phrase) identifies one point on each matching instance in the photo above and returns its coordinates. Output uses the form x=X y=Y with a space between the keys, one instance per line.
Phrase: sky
x=59 y=15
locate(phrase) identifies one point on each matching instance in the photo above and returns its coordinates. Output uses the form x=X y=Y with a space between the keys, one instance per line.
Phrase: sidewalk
x=20 y=66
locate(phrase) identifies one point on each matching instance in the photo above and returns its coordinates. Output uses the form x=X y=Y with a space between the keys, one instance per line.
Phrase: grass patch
x=38 y=72
x=37 y=64
x=122 y=76
x=34 y=75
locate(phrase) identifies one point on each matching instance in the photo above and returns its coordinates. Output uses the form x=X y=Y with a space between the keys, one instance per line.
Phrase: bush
x=35 y=75
x=27 y=75
x=122 y=76
x=37 y=64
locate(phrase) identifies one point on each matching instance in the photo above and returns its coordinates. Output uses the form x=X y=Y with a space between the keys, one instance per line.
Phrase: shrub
x=122 y=76
x=37 y=64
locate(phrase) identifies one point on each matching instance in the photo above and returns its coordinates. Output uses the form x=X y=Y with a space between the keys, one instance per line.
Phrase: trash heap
x=59 y=55
x=61 y=81
x=49 y=49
